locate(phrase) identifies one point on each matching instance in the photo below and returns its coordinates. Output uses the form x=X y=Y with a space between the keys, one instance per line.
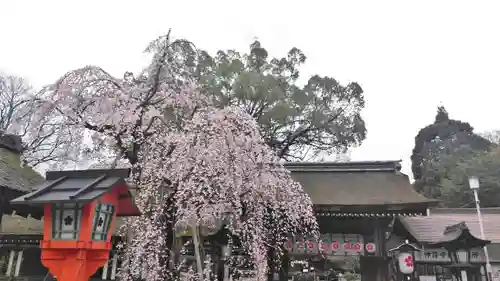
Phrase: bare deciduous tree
x=18 y=102
x=14 y=92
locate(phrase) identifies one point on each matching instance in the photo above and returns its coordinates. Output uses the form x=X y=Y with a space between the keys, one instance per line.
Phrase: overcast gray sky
x=408 y=56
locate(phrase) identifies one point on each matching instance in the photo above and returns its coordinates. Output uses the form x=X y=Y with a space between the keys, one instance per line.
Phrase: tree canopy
x=193 y=161
x=322 y=116
x=485 y=166
x=17 y=103
x=439 y=148
x=171 y=115
x=297 y=121
x=14 y=92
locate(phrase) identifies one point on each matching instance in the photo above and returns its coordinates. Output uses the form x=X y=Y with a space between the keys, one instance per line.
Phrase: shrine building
x=358 y=206
x=426 y=230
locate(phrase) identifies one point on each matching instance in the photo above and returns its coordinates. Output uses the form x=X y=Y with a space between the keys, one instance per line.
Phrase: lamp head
x=473 y=183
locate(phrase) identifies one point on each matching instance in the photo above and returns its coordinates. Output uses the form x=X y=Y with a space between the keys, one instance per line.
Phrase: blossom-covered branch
x=193 y=162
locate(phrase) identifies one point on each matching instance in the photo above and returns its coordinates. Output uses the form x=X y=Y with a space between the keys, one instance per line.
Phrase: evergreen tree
x=439 y=148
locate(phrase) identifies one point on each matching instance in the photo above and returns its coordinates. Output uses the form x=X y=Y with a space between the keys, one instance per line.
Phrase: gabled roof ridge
x=350 y=166
x=370 y=183
x=428 y=229
x=464 y=211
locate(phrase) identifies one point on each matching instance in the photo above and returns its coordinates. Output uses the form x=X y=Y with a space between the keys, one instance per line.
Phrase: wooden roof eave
x=407 y=231
x=458 y=236
x=368 y=184
x=403 y=208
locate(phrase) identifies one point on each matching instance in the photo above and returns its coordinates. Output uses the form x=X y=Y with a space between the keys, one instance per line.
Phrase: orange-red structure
x=78 y=254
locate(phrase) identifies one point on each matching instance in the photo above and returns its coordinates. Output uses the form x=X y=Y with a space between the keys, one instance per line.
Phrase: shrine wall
x=494 y=252
x=440 y=255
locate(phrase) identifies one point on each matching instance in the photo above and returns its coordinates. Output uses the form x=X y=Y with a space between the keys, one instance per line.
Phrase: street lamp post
x=474 y=186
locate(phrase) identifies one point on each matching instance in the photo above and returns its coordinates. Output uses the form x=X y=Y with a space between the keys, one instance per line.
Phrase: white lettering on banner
x=441 y=255
x=331 y=244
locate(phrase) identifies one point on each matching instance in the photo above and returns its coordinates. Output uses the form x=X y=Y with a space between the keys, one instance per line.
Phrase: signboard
x=441 y=255
x=330 y=244
x=427 y=277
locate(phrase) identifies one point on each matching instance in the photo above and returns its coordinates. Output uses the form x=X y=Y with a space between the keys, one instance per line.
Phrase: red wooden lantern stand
x=80 y=210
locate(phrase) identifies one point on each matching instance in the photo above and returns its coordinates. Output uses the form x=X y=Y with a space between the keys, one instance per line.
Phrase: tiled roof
x=430 y=229
x=13 y=176
x=16 y=179
x=356 y=183
x=369 y=183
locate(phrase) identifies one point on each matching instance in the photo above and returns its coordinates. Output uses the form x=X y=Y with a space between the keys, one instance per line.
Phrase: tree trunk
x=271 y=265
x=285 y=267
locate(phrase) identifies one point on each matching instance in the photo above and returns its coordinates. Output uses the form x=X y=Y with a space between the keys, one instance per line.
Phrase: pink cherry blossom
x=192 y=162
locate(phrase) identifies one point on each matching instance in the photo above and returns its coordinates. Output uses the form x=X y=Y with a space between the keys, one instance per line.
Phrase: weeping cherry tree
x=192 y=161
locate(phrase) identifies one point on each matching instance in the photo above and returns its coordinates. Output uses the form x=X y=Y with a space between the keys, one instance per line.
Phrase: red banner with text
x=331 y=244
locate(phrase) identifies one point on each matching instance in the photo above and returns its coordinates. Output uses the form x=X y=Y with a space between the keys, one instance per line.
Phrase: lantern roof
x=405 y=246
x=82 y=186
x=458 y=236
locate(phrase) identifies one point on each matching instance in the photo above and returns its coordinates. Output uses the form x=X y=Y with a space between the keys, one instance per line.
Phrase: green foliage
x=485 y=166
x=351 y=276
x=353 y=264
x=445 y=153
x=296 y=121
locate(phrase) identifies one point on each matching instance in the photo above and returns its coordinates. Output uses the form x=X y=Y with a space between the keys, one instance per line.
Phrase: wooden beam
x=113 y=266
x=18 y=263
x=9 y=264
x=105 y=271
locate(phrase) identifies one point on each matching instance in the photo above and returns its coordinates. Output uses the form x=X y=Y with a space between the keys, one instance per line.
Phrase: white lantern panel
x=406 y=263
x=100 y=226
x=68 y=226
x=66 y=219
x=102 y=219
